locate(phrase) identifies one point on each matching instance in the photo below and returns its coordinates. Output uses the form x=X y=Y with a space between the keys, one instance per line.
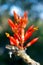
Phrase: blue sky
x=36 y=8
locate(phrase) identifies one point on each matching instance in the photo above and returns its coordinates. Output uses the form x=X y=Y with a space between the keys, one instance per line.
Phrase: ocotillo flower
x=12 y=40
x=12 y=25
x=29 y=32
x=16 y=17
x=20 y=37
x=32 y=42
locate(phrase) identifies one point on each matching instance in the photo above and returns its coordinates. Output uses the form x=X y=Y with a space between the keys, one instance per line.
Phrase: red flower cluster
x=18 y=28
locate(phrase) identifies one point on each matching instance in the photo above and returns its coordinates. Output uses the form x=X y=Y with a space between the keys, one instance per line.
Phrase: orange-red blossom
x=18 y=28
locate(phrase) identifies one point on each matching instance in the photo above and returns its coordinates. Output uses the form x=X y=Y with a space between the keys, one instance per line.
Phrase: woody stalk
x=17 y=41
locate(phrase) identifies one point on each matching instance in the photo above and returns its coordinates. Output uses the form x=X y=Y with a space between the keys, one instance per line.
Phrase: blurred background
x=35 y=15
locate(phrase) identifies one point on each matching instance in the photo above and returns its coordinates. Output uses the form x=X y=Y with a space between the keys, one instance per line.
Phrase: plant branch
x=22 y=54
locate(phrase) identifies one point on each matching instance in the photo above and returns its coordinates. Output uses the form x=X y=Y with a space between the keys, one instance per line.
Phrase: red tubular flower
x=12 y=25
x=16 y=17
x=28 y=35
x=32 y=42
x=25 y=14
x=12 y=40
x=30 y=28
x=30 y=32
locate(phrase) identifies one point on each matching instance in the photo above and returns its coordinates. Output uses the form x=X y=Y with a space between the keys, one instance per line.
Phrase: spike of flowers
x=18 y=28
